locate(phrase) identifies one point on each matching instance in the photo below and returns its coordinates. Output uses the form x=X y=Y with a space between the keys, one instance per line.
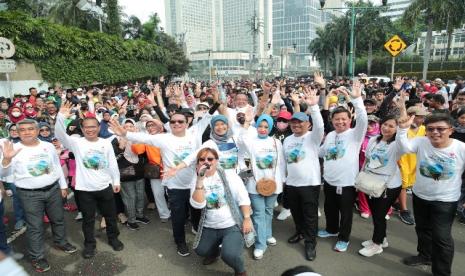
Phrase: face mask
x=153 y=113
x=281 y=125
x=16 y=114
x=331 y=108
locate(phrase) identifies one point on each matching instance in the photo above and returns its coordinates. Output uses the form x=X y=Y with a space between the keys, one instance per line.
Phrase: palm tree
x=319 y=47
x=65 y=12
x=435 y=13
x=132 y=28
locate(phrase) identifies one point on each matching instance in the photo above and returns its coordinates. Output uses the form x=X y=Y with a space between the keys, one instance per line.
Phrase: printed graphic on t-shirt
x=439 y=167
x=215 y=196
x=295 y=153
x=335 y=151
x=265 y=162
x=378 y=157
x=39 y=165
x=181 y=152
x=228 y=155
x=95 y=160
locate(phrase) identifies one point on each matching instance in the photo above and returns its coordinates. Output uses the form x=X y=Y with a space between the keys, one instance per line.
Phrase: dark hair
x=89 y=119
x=297 y=270
x=439 y=117
x=460 y=112
x=438 y=98
x=180 y=113
x=31 y=89
x=383 y=120
x=341 y=109
x=461 y=93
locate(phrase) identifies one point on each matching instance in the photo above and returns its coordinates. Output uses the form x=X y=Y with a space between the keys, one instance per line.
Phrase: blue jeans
x=262 y=217
x=232 y=246
x=3 y=244
x=17 y=206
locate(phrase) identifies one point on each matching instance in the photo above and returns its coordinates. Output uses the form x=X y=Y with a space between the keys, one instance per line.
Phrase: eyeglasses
x=89 y=127
x=209 y=159
x=279 y=120
x=177 y=121
x=44 y=129
x=438 y=129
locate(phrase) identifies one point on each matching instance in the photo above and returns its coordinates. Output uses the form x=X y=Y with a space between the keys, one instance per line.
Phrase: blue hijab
x=269 y=120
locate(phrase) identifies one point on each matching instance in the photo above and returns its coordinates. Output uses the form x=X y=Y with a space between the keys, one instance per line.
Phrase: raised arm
x=318 y=129
x=360 y=112
x=60 y=127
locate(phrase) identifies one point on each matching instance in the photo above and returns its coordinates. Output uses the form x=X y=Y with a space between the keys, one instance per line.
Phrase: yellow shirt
x=408 y=162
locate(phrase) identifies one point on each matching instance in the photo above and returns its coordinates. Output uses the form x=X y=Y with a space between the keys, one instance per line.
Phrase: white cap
x=79 y=89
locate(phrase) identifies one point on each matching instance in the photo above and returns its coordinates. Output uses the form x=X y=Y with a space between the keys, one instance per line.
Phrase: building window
x=459 y=37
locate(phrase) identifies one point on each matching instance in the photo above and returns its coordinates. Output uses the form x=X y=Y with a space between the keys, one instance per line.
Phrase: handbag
x=267 y=186
x=151 y=171
x=372 y=184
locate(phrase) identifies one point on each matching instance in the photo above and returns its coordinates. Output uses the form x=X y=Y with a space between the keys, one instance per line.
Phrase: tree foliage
x=73 y=56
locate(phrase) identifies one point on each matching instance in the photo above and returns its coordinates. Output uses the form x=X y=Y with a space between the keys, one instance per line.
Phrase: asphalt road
x=151 y=251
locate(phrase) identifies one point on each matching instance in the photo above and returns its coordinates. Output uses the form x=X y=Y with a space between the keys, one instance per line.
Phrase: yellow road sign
x=395 y=45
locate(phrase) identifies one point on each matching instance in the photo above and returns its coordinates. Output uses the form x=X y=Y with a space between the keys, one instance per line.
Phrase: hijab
x=214 y=136
x=269 y=120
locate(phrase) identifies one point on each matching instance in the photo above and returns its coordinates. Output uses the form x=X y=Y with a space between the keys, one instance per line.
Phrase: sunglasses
x=438 y=129
x=209 y=159
x=44 y=129
x=177 y=121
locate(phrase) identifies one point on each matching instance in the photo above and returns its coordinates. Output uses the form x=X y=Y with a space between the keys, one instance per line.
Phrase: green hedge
x=444 y=75
x=72 y=56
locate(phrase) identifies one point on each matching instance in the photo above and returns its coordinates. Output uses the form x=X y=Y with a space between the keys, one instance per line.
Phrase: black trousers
x=433 y=226
x=379 y=208
x=303 y=202
x=105 y=202
x=339 y=206
x=179 y=205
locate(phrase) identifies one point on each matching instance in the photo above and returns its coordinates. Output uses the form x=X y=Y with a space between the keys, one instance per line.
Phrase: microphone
x=204 y=170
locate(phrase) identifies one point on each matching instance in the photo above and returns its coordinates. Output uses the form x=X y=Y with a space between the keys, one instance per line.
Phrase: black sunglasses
x=209 y=159
x=177 y=121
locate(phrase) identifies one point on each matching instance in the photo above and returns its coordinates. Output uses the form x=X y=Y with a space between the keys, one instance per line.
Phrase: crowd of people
x=222 y=156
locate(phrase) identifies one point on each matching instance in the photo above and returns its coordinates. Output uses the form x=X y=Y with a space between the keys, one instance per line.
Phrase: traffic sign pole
x=392 y=67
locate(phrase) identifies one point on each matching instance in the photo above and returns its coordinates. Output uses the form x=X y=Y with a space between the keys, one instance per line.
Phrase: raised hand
x=406 y=121
x=8 y=150
x=65 y=108
x=356 y=89
x=318 y=78
x=295 y=97
x=117 y=128
x=311 y=98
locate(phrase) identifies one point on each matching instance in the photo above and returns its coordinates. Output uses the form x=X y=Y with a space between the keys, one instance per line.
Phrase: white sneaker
x=284 y=214
x=370 y=242
x=271 y=241
x=365 y=215
x=258 y=254
x=387 y=217
x=276 y=204
x=79 y=216
x=319 y=213
x=371 y=250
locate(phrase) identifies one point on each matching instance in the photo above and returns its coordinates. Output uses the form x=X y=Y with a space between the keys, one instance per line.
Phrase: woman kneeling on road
x=225 y=215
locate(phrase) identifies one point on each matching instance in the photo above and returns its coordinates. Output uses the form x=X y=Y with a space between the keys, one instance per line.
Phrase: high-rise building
x=396 y=8
x=247 y=26
x=294 y=27
x=193 y=21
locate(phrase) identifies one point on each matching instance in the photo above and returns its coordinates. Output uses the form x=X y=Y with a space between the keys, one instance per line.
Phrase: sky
x=144 y=8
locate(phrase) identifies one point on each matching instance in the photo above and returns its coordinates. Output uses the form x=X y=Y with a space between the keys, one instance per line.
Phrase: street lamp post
x=210 y=65
x=353 y=10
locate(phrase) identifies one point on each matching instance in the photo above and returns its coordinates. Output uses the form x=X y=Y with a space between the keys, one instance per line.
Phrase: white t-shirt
x=96 y=165
x=266 y=159
x=301 y=153
x=218 y=214
x=340 y=150
x=174 y=150
x=439 y=170
x=381 y=159
x=35 y=167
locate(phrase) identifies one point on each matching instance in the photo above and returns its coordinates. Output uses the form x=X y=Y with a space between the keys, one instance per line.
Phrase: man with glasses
x=97 y=178
x=40 y=184
x=436 y=190
x=175 y=147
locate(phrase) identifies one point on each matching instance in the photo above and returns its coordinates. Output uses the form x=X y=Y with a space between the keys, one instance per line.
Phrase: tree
x=435 y=13
x=65 y=12
x=132 y=28
x=319 y=47
x=150 y=28
x=114 y=21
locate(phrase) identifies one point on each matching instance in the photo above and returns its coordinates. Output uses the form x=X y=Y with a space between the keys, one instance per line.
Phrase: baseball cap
x=285 y=115
x=300 y=116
